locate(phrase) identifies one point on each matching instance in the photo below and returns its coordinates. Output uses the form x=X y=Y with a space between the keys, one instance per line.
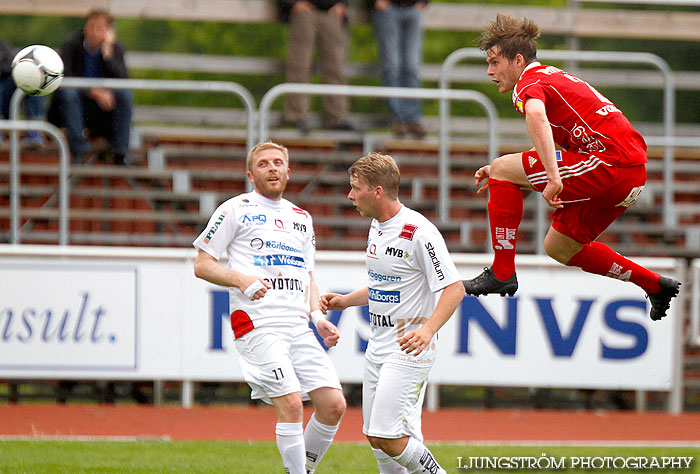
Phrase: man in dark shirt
x=95 y=52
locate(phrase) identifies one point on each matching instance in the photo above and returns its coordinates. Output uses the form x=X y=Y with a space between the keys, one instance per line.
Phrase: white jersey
x=407 y=263
x=272 y=240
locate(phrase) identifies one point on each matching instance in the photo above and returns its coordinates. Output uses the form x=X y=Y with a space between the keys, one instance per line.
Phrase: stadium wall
x=140 y=314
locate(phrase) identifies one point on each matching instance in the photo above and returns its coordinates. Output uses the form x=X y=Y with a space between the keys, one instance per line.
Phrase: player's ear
x=378 y=192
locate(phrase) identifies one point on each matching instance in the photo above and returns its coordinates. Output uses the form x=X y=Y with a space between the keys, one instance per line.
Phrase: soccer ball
x=37 y=70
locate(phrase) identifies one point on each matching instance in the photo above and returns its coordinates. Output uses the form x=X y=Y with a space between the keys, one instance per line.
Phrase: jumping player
x=598 y=172
x=407 y=265
x=270 y=246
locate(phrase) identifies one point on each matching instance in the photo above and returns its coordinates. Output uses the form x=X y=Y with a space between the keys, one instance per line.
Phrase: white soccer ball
x=37 y=70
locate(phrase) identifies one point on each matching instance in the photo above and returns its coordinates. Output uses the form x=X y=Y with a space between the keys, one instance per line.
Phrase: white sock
x=290 y=442
x=386 y=464
x=317 y=439
x=417 y=459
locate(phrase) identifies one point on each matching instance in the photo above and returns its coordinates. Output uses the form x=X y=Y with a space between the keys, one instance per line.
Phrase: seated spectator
x=322 y=24
x=94 y=52
x=33 y=106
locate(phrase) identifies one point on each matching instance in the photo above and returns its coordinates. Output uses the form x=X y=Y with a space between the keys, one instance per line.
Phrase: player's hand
x=551 y=194
x=303 y=6
x=481 y=175
x=328 y=331
x=380 y=5
x=104 y=98
x=332 y=301
x=416 y=341
x=247 y=282
x=107 y=45
x=339 y=10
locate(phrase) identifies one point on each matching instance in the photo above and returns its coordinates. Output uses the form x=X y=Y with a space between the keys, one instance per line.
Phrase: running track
x=257 y=424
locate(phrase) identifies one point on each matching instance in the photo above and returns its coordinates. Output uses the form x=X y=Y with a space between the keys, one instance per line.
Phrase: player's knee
x=289 y=407
x=391 y=446
x=500 y=166
x=334 y=409
x=557 y=252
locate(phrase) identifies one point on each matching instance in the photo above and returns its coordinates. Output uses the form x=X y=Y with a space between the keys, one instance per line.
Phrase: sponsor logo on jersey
x=607 y=109
x=382 y=296
x=532 y=160
x=251 y=220
x=371 y=250
x=380 y=277
x=279 y=224
x=519 y=105
x=214 y=227
x=588 y=142
x=278 y=260
x=300 y=227
x=257 y=243
x=408 y=231
x=274 y=245
x=381 y=320
x=435 y=261
x=631 y=197
x=300 y=211
x=282 y=283
x=558 y=155
x=394 y=252
x=245 y=200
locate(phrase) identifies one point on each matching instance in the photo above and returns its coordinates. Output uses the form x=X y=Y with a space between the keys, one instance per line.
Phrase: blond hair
x=512 y=36
x=260 y=147
x=377 y=169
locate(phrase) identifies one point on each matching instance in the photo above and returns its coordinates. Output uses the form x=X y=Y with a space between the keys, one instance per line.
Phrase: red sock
x=505 y=214
x=602 y=260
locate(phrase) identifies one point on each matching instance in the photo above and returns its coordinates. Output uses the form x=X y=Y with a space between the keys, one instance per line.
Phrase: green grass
x=141 y=457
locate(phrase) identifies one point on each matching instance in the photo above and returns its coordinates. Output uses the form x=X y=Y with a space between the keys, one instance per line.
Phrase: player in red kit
x=595 y=174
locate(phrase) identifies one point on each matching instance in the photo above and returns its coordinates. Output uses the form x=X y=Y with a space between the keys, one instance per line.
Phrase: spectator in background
x=34 y=107
x=321 y=23
x=399 y=32
x=94 y=52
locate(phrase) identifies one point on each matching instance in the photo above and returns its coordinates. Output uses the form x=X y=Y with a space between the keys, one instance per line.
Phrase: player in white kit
x=271 y=248
x=407 y=265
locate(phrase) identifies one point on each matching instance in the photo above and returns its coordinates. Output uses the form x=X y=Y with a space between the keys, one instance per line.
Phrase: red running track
x=257 y=423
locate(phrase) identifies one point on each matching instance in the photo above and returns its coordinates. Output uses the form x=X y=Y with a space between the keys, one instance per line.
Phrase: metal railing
x=14 y=126
x=396 y=92
x=87 y=83
x=669 y=215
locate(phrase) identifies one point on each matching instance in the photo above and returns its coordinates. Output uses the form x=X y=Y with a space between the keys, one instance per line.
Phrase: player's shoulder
x=241 y=201
x=296 y=209
x=414 y=224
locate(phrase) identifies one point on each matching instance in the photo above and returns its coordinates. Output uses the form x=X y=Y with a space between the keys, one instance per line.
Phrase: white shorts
x=392 y=399
x=277 y=361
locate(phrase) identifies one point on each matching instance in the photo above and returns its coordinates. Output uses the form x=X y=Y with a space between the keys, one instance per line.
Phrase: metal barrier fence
x=87 y=83
x=15 y=126
x=397 y=92
x=669 y=214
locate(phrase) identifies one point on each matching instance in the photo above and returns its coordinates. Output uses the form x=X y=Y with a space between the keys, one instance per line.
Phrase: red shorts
x=595 y=193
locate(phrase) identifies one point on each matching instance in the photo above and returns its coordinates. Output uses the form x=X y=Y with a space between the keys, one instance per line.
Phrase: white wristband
x=316 y=316
x=250 y=291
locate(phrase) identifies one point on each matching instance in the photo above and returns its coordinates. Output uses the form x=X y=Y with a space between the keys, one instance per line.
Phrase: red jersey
x=582 y=119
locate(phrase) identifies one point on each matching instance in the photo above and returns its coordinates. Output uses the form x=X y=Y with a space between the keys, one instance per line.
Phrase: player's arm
x=417 y=340
x=326 y=329
x=207 y=268
x=541 y=135
x=337 y=302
